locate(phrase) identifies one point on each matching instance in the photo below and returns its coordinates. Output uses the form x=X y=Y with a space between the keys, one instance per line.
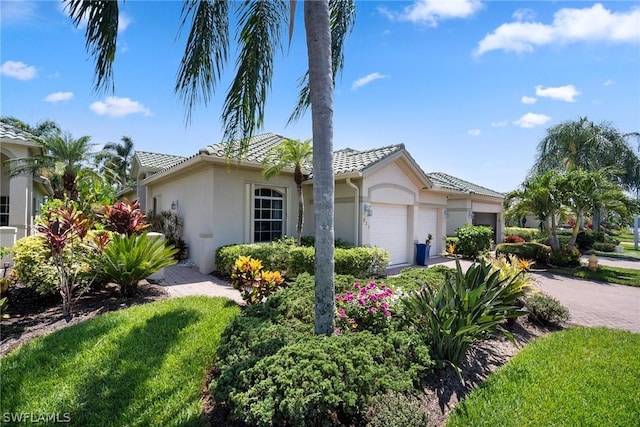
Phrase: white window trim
x=249 y=219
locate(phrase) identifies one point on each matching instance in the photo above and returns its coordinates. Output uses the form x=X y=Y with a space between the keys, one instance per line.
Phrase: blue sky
x=469 y=87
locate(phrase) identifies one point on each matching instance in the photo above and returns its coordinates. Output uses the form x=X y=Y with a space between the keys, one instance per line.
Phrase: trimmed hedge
x=527 y=234
x=604 y=247
x=359 y=261
x=530 y=251
x=474 y=240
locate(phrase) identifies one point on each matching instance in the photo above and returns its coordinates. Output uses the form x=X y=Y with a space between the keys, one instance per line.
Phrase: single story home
x=382 y=198
x=21 y=195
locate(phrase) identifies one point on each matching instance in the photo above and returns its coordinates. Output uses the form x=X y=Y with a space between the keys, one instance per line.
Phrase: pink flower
x=356 y=285
x=373 y=309
x=337 y=331
x=361 y=301
x=352 y=320
x=386 y=313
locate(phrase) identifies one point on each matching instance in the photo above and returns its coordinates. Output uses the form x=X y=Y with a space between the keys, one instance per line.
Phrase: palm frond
x=101 y=35
x=206 y=52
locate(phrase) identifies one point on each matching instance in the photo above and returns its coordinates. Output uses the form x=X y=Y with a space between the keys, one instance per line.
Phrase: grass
x=577 y=377
x=145 y=365
x=617 y=275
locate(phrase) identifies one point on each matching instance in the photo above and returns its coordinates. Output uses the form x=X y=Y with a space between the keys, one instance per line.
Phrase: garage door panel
x=389 y=230
x=427 y=224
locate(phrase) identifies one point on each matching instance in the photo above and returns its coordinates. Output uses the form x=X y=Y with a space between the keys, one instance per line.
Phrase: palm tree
x=114 y=161
x=585 y=145
x=541 y=196
x=588 y=192
x=64 y=156
x=327 y=22
x=290 y=153
x=41 y=129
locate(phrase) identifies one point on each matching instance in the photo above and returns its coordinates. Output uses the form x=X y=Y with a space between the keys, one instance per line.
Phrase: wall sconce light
x=368 y=210
x=174 y=205
x=447 y=213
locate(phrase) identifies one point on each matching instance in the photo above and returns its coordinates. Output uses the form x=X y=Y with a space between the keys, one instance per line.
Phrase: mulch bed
x=31 y=315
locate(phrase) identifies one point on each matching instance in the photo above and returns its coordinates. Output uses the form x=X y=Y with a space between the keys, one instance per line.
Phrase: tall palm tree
x=542 y=196
x=327 y=22
x=295 y=154
x=64 y=156
x=585 y=145
x=114 y=161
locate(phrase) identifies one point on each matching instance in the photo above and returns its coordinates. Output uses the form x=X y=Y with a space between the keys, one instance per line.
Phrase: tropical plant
x=254 y=283
x=129 y=259
x=125 y=217
x=541 y=196
x=466 y=308
x=473 y=240
x=327 y=23
x=40 y=129
x=60 y=228
x=545 y=309
x=114 y=162
x=290 y=153
x=365 y=308
x=63 y=158
x=170 y=224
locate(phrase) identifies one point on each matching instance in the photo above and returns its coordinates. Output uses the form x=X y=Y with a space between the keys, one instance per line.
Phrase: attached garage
x=389 y=230
x=428 y=224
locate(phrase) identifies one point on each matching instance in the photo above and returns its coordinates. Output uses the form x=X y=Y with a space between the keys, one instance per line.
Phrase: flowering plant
x=253 y=283
x=366 y=308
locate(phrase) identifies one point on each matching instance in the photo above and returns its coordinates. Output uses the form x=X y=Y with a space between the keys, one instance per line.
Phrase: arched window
x=268 y=215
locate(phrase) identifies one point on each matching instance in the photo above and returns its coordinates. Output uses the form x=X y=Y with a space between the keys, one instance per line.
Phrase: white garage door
x=428 y=223
x=389 y=230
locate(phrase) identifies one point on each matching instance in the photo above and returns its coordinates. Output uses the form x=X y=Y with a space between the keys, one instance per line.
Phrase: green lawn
x=617 y=275
x=627 y=244
x=577 y=377
x=144 y=366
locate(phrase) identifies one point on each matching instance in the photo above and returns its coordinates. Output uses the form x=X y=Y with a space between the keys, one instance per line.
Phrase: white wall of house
x=217 y=206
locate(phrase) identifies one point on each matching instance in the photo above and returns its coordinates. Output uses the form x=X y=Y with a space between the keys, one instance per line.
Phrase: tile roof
x=258 y=147
x=350 y=160
x=157 y=161
x=448 y=182
x=8 y=132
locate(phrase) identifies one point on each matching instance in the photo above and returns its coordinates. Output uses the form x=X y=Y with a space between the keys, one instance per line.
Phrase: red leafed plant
x=61 y=227
x=125 y=217
x=514 y=239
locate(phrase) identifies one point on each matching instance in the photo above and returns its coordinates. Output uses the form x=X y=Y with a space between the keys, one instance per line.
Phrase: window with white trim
x=268 y=214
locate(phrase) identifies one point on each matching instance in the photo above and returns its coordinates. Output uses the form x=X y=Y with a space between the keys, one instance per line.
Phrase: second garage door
x=389 y=230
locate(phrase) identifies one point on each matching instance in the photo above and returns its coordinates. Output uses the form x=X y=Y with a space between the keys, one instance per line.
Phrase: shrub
x=125 y=217
x=530 y=250
x=322 y=380
x=310 y=241
x=397 y=410
x=361 y=262
x=545 y=310
x=449 y=242
x=604 y=247
x=170 y=224
x=563 y=257
x=254 y=284
x=415 y=278
x=473 y=240
x=527 y=234
x=129 y=259
x=366 y=308
x=514 y=239
x=585 y=240
x=466 y=308
x=514 y=269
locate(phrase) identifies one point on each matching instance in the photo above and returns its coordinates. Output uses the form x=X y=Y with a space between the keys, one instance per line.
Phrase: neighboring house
x=382 y=198
x=468 y=203
x=143 y=165
x=21 y=195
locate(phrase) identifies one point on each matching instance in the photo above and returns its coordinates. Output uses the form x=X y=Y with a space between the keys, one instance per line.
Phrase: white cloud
x=595 y=24
x=473 y=132
x=58 y=96
x=18 y=70
x=118 y=107
x=431 y=11
x=566 y=93
x=124 y=20
x=500 y=124
x=366 y=80
x=528 y=100
x=530 y=120
x=609 y=82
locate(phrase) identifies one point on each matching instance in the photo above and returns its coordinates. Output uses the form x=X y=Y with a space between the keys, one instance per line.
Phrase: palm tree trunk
x=300 y=213
x=318 y=32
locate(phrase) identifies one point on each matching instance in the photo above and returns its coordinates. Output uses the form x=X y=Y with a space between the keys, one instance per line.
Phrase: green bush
x=586 y=239
x=545 y=310
x=415 y=278
x=527 y=234
x=451 y=241
x=604 y=247
x=395 y=409
x=466 y=308
x=529 y=251
x=358 y=261
x=34 y=266
x=271 y=370
x=563 y=257
x=338 y=243
x=129 y=259
x=473 y=240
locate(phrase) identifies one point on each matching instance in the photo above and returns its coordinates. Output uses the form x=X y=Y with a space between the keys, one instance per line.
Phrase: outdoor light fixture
x=174 y=205
x=368 y=210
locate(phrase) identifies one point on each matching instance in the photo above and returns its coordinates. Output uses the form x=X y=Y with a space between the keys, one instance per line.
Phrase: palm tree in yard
x=114 y=161
x=295 y=154
x=542 y=196
x=64 y=157
x=327 y=22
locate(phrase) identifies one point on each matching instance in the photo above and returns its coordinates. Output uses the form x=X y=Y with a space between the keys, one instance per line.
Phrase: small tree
x=62 y=227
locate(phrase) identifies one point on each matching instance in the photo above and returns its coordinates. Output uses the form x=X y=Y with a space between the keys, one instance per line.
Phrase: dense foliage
x=473 y=240
x=530 y=251
x=545 y=309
